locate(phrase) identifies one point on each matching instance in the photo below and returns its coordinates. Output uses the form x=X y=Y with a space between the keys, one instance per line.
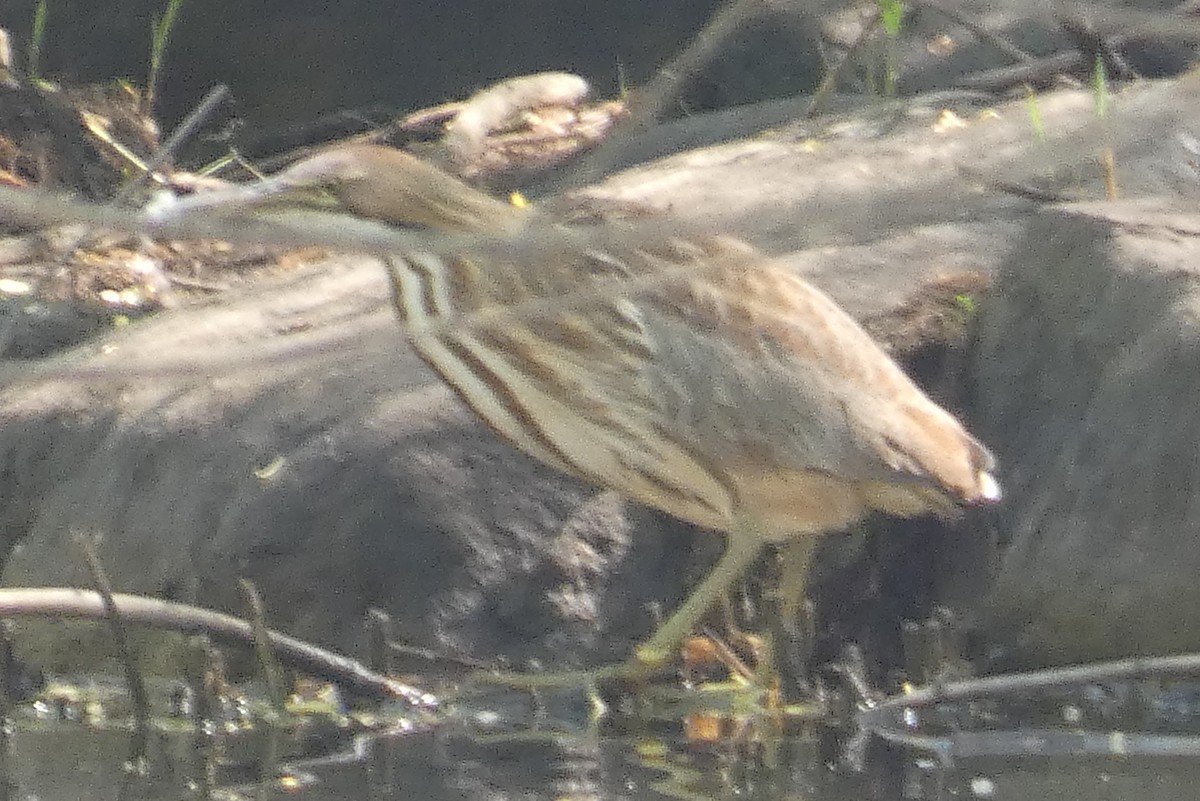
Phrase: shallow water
x=457 y=759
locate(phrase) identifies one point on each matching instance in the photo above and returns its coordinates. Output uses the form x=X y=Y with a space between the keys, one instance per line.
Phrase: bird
x=687 y=371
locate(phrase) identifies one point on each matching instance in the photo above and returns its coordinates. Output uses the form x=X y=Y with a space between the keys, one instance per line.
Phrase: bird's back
x=690 y=373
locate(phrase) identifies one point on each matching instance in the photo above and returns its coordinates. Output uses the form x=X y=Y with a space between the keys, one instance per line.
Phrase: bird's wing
x=796 y=384
x=671 y=368
x=553 y=356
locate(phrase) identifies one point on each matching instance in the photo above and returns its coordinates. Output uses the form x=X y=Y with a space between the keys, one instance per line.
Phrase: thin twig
x=8 y=664
x=1030 y=742
x=379 y=627
x=204 y=674
x=8 y=328
x=120 y=634
x=1001 y=43
x=349 y=674
x=1038 y=71
x=269 y=663
x=829 y=82
x=195 y=118
x=884 y=719
x=990 y=686
x=649 y=102
x=262 y=647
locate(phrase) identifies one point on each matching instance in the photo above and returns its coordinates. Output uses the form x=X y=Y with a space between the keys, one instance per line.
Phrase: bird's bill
x=279 y=191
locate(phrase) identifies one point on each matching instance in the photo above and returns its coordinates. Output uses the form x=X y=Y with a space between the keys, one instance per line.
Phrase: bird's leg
x=652 y=655
x=795 y=556
x=794 y=625
x=742 y=549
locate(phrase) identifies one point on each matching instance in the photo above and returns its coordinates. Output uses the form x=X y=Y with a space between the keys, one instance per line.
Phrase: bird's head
x=391 y=186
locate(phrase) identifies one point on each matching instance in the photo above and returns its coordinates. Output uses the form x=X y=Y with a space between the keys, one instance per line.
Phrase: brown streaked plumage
x=690 y=373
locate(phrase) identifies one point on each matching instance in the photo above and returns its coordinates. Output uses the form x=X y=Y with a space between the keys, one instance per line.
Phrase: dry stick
x=352 y=676
x=137 y=687
x=337 y=231
x=1129 y=22
x=1109 y=160
x=202 y=672
x=8 y=666
x=379 y=627
x=290 y=228
x=883 y=719
x=33 y=208
x=381 y=647
x=1111 y=25
x=201 y=666
x=1040 y=742
x=216 y=96
x=663 y=88
x=997 y=41
x=435 y=657
x=195 y=118
x=269 y=760
x=262 y=647
x=990 y=686
x=829 y=82
x=1035 y=71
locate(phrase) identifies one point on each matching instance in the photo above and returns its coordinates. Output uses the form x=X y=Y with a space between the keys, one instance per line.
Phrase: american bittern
x=690 y=373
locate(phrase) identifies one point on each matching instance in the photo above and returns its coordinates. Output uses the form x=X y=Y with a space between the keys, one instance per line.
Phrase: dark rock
x=49 y=145
x=290 y=436
x=287 y=435
x=1086 y=385
x=332 y=469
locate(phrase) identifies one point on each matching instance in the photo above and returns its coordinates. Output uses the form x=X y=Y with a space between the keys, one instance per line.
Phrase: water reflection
x=1061 y=744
